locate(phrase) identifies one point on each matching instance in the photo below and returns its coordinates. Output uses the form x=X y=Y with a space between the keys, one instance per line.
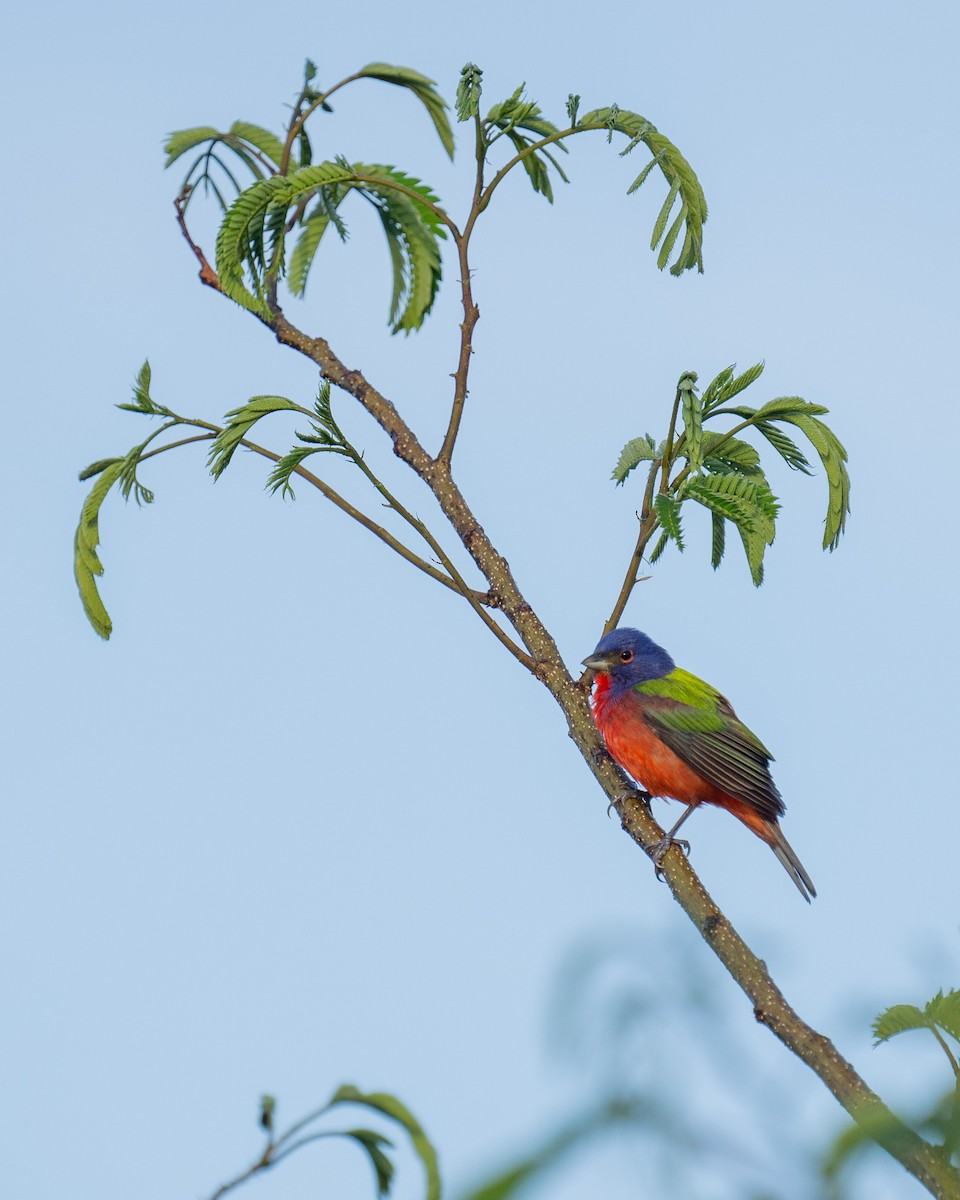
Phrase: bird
x=679 y=738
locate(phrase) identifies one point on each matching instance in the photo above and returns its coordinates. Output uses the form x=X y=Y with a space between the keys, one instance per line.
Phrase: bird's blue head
x=629 y=657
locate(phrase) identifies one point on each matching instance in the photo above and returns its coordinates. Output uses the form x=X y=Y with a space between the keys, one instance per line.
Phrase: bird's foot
x=659 y=849
x=630 y=794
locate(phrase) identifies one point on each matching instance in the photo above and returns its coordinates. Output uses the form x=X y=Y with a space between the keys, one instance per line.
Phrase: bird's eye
x=626 y=656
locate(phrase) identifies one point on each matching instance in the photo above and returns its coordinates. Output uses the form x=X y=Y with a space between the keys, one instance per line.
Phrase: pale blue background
x=302 y=821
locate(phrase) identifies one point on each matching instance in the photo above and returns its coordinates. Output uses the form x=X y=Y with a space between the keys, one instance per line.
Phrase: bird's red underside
x=634 y=745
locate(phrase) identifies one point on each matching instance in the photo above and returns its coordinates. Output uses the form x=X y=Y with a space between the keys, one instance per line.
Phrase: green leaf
x=726 y=455
x=412 y=228
x=664 y=215
x=239 y=422
x=804 y=416
x=327 y=437
x=413 y=234
x=692 y=413
x=754 y=546
x=86 y=563
x=636 y=451
x=658 y=549
x=833 y=456
x=391 y=1107
x=517 y=113
x=668 y=511
x=306 y=150
x=373 y=1143
x=945 y=1011
x=183 y=140
x=469 y=90
x=719 y=539
x=425 y=91
x=748 y=503
x=788 y=450
x=898 y=1019
x=733 y=386
x=711 y=393
x=315 y=226
x=680 y=177
x=143 y=402
x=279 y=477
x=262 y=139
x=668 y=242
x=573 y=104
x=97 y=468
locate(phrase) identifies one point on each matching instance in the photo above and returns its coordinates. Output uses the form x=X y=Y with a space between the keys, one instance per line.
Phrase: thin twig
x=455 y=584
x=300 y=118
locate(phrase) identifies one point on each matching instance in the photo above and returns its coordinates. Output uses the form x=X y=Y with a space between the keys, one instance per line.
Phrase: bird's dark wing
x=710 y=739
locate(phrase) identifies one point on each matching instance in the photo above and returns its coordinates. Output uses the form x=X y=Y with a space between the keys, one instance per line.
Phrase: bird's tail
x=791 y=864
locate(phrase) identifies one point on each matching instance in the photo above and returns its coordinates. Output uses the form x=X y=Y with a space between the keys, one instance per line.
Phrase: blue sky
x=302 y=821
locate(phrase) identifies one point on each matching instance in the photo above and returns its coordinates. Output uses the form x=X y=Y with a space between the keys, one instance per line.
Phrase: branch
x=471 y=315
x=207 y=274
x=648 y=527
x=770 y=1008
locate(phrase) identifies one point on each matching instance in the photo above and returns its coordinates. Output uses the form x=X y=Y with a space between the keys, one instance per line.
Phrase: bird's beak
x=596 y=663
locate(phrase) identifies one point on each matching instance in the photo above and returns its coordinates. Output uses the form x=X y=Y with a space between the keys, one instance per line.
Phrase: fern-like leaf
x=279 y=477
x=668 y=512
x=725 y=455
x=657 y=551
x=413 y=232
x=389 y=1106
x=788 y=450
x=261 y=139
x=944 y=1010
x=680 y=177
x=718 y=543
x=425 y=91
x=323 y=214
x=407 y=211
x=636 y=451
x=733 y=386
x=899 y=1019
x=834 y=458
x=183 y=140
x=711 y=392
x=748 y=503
x=373 y=1144
x=515 y=115
x=86 y=562
x=239 y=422
x=143 y=402
x=805 y=416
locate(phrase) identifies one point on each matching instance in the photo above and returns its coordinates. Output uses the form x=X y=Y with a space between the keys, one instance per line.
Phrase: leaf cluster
x=723 y=473
x=522 y=123
x=324 y=437
x=376 y=1146
x=939 y=1016
x=267 y=187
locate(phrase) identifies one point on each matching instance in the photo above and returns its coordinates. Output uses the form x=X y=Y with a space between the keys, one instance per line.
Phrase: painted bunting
x=679 y=738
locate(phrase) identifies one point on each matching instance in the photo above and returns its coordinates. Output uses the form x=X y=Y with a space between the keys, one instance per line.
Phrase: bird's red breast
x=635 y=746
